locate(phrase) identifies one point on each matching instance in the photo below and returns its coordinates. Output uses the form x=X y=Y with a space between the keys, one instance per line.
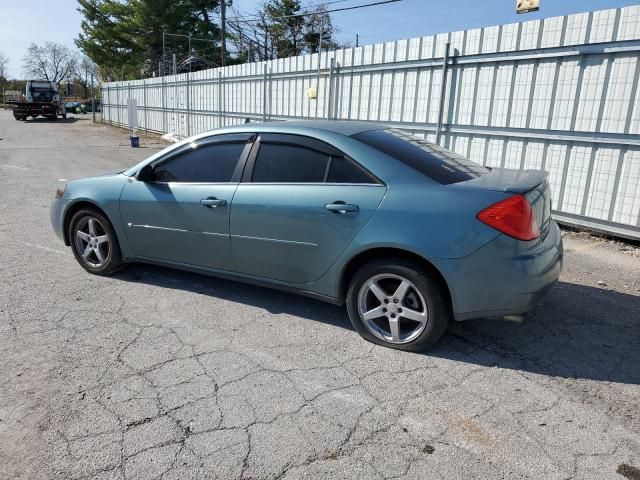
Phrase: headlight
x=60 y=191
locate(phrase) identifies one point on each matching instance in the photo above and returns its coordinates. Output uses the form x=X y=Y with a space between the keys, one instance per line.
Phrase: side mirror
x=146 y=174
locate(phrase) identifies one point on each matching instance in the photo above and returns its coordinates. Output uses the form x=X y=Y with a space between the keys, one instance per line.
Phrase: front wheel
x=397 y=304
x=94 y=242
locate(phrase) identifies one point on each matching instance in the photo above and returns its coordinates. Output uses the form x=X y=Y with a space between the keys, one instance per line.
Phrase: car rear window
x=428 y=158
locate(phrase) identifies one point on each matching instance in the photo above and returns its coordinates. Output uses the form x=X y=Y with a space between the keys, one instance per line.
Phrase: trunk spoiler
x=528 y=182
x=508 y=180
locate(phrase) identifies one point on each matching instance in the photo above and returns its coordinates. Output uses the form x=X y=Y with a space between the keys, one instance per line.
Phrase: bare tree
x=51 y=61
x=4 y=60
x=82 y=71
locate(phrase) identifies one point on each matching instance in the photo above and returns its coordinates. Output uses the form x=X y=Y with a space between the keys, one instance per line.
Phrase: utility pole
x=357 y=40
x=93 y=100
x=321 y=35
x=223 y=31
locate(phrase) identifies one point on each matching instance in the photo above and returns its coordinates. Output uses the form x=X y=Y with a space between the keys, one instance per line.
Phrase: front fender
x=100 y=192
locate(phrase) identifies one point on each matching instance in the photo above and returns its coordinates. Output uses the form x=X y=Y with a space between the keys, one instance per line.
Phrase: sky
x=58 y=21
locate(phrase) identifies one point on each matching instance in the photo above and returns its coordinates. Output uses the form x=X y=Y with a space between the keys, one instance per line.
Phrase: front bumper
x=505 y=277
x=56 y=215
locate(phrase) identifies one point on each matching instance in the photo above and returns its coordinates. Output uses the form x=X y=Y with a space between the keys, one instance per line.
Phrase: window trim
x=247 y=138
x=307 y=142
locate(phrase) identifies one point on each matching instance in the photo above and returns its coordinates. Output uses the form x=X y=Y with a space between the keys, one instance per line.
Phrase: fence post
x=443 y=91
x=318 y=84
x=188 y=104
x=144 y=100
x=118 y=88
x=270 y=92
x=332 y=66
x=220 y=96
x=164 y=110
x=175 y=105
x=108 y=103
x=264 y=93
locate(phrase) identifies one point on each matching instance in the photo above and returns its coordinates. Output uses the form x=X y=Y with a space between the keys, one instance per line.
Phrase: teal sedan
x=407 y=234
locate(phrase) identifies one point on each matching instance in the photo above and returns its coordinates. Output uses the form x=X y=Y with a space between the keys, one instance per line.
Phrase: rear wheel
x=398 y=305
x=94 y=242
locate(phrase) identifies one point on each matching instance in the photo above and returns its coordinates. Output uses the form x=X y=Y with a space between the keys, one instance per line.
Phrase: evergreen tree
x=124 y=38
x=290 y=30
x=284 y=27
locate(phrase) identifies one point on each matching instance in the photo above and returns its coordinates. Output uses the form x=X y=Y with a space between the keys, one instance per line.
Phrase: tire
x=95 y=253
x=421 y=312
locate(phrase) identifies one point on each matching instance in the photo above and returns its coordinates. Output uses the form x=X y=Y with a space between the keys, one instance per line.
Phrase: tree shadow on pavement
x=576 y=332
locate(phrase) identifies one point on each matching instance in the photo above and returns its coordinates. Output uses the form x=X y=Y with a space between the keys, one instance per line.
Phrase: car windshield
x=438 y=163
x=42 y=94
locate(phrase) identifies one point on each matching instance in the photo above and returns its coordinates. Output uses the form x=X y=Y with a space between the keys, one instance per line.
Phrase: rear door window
x=343 y=170
x=284 y=158
x=438 y=163
x=284 y=163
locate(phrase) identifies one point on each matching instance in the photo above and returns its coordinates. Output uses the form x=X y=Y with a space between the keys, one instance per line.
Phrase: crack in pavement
x=159 y=374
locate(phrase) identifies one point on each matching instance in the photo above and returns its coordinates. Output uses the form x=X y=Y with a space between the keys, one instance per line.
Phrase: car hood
x=112 y=173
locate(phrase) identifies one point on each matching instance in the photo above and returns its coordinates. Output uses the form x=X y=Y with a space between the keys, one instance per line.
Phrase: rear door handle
x=341 y=207
x=213 y=202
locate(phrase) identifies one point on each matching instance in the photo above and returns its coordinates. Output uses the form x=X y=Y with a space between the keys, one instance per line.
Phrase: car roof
x=344 y=127
x=340 y=127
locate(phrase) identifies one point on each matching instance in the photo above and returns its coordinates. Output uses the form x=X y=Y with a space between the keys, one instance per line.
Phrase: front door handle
x=213 y=202
x=341 y=207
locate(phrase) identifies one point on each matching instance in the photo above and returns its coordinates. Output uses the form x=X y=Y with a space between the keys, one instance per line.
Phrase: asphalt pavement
x=160 y=374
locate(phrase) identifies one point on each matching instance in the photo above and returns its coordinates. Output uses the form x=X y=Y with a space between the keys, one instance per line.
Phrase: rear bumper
x=505 y=277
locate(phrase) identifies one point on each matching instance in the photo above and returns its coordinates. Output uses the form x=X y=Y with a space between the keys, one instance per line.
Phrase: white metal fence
x=559 y=94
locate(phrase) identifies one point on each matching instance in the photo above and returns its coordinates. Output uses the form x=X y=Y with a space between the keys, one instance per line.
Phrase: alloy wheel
x=92 y=242
x=392 y=308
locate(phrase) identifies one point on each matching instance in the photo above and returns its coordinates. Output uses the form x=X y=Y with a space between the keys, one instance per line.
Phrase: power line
x=324 y=4
x=433 y=11
x=307 y=14
x=247 y=16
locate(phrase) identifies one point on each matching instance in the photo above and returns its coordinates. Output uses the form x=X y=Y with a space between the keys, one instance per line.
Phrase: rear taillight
x=512 y=216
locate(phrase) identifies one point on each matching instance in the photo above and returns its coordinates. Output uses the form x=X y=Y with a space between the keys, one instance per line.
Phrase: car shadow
x=274 y=301
x=48 y=120
x=576 y=332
